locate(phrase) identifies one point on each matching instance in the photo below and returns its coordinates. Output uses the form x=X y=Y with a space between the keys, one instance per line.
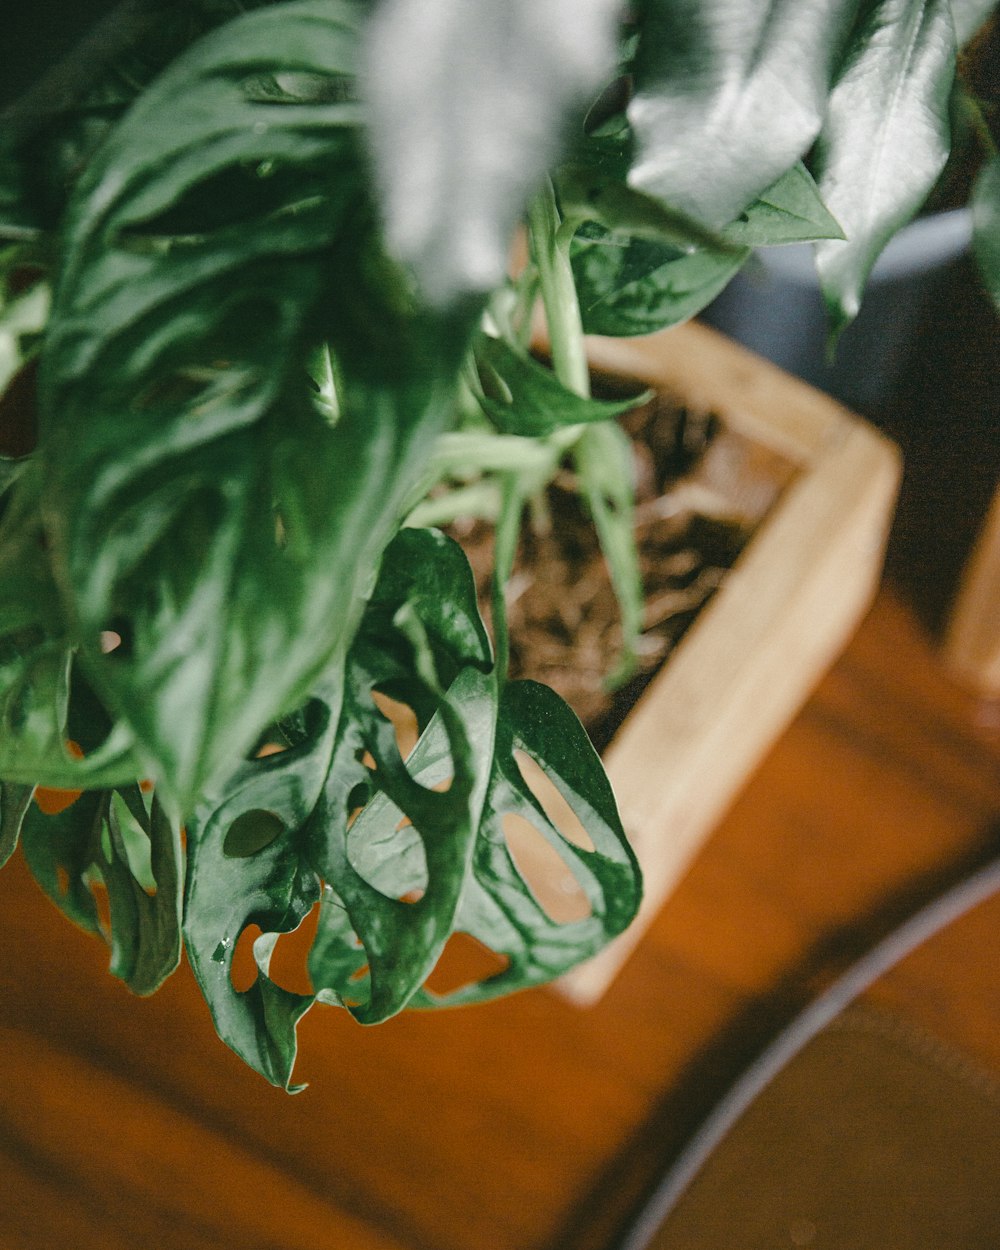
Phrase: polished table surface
x=523 y=1125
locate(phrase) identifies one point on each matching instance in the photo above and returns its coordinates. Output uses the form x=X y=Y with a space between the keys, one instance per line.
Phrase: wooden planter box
x=780 y=618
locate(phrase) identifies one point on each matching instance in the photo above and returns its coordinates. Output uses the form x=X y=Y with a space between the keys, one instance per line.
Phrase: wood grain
x=972 y=640
x=527 y=1124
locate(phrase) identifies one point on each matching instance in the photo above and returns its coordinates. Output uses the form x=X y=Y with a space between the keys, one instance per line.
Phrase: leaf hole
x=243 y=969
x=99 y=891
x=270 y=748
x=359 y=974
x=402 y=718
x=62 y=880
x=552 y=801
x=412 y=896
x=117 y=637
x=289 y=966
x=50 y=801
x=543 y=871
x=464 y=961
x=251 y=833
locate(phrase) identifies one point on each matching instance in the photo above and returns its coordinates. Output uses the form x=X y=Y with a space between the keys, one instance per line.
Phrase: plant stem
x=562 y=309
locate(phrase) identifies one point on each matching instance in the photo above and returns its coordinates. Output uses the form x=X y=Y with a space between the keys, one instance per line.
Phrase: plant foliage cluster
x=253 y=287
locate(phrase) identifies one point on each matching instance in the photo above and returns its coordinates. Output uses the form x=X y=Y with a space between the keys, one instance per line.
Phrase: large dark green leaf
x=629 y=285
x=468 y=103
x=522 y=396
x=200 y=503
x=986 y=227
x=729 y=94
x=111 y=840
x=407 y=852
x=885 y=139
x=498 y=907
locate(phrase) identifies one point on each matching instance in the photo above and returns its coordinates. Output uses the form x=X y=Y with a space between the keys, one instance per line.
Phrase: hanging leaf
x=467 y=102
x=522 y=396
x=498 y=906
x=400 y=847
x=199 y=502
x=111 y=841
x=420 y=633
x=629 y=285
x=729 y=94
x=986 y=227
x=885 y=139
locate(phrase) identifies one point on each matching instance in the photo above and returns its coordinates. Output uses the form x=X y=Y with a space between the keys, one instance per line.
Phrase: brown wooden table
x=523 y=1125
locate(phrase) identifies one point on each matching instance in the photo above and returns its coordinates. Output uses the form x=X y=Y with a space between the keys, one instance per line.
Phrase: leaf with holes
x=283 y=822
x=45 y=702
x=498 y=905
x=116 y=842
x=199 y=502
x=885 y=138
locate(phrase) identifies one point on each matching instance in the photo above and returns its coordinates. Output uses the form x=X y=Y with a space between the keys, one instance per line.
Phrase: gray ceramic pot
x=774 y=306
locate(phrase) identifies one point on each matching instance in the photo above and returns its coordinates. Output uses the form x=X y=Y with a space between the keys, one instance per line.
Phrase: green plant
x=259 y=267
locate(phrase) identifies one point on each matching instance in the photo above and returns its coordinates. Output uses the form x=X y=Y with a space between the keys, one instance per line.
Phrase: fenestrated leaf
x=468 y=103
x=729 y=94
x=199 y=502
x=498 y=906
x=85 y=846
x=885 y=139
x=790 y=211
x=629 y=285
x=522 y=396
x=422 y=616
x=45 y=703
x=986 y=227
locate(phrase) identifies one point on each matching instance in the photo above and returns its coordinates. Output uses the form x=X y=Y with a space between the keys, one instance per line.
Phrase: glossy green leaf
x=602 y=457
x=421 y=631
x=729 y=95
x=467 y=107
x=498 y=907
x=986 y=227
x=522 y=396
x=630 y=285
x=200 y=502
x=885 y=139
x=790 y=211
x=111 y=840
x=45 y=702
x=406 y=851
